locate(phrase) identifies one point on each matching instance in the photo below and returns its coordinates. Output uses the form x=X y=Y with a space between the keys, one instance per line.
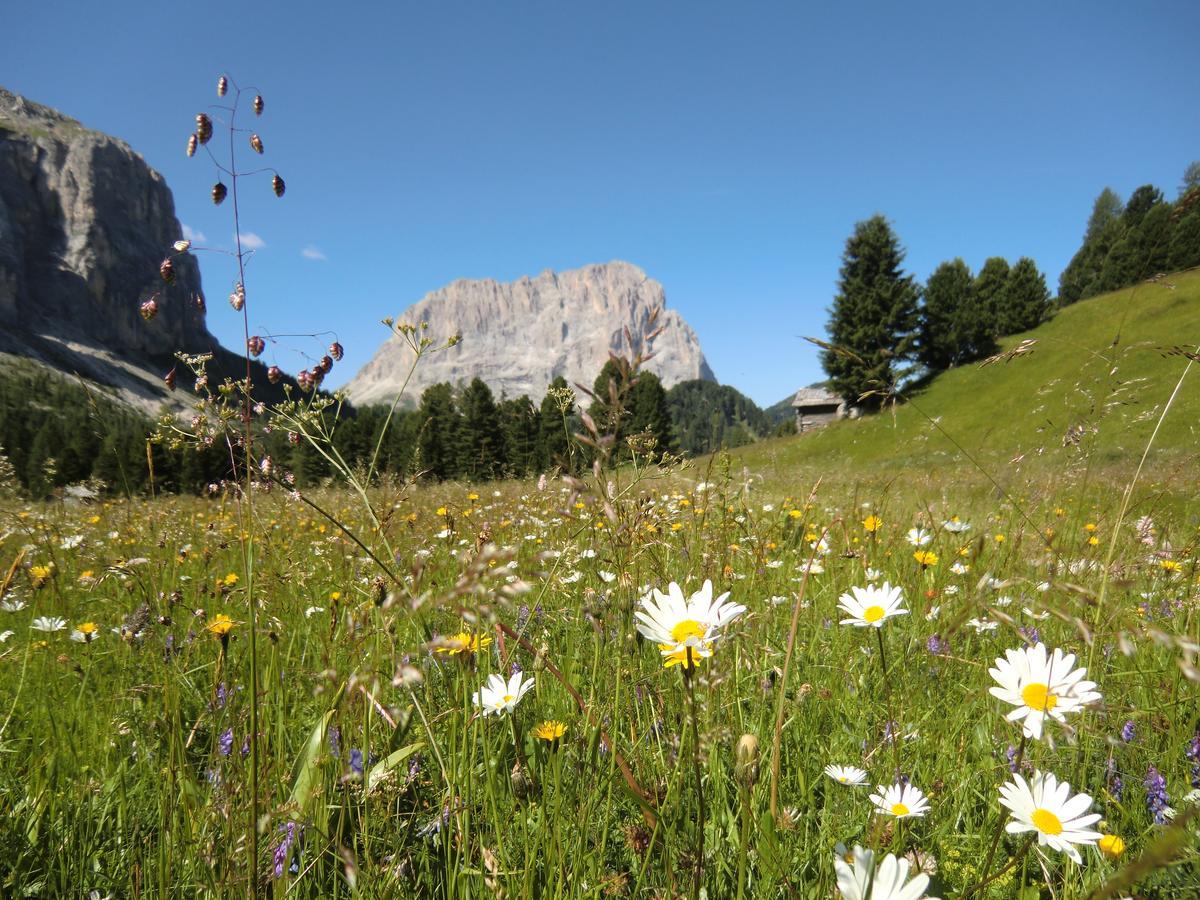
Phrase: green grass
x=1097 y=366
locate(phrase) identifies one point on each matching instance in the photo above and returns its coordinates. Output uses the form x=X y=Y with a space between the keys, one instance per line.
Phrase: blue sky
x=727 y=149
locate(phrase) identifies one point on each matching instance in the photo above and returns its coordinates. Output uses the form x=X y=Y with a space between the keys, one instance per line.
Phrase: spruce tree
x=649 y=412
x=1026 y=300
x=990 y=285
x=955 y=326
x=874 y=316
x=482 y=438
x=441 y=432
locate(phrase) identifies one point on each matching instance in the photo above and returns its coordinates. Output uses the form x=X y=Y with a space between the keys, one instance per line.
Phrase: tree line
x=886 y=328
x=58 y=432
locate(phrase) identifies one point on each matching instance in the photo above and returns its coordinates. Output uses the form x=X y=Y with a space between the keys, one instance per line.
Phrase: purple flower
x=225 y=743
x=335 y=742
x=514 y=669
x=1031 y=634
x=285 y=847
x=1116 y=786
x=1157 y=800
x=356 y=761
x=1011 y=754
x=221 y=695
x=936 y=645
x=1128 y=732
x=1193 y=754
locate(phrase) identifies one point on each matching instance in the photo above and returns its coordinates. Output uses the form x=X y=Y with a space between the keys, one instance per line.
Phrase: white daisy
x=5 y=635
x=918 y=536
x=1047 y=807
x=872 y=605
x=12 y=605
x=858 y=879
x=955 y=525
x=872 y=574
x=982 y=625
x=684 y=627
x=1039 y=686
x=48 y=623
x=900 y=800
x=960 y=568
x=499 y=696
x=850 y=775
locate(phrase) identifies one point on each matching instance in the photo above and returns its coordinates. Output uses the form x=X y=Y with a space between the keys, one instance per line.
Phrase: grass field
x=131 y=765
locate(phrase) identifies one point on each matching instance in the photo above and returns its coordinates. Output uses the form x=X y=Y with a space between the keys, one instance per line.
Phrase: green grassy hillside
x=1093 y=384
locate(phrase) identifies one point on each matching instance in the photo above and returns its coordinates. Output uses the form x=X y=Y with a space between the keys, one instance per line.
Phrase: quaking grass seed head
x=218 y=193
x=258 y=104
x=222 y=86
x=256 y=144
x=192 y=143
x=278 y=186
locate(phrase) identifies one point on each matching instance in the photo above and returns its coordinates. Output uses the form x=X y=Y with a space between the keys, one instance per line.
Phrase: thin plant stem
x=987 y=865
x=887 y=694
x=689 y=678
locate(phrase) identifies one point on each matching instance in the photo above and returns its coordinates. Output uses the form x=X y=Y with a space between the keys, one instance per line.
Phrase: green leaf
x=306 y=771
x=380 y=770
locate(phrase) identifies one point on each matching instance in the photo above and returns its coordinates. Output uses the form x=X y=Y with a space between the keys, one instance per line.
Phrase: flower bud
x=167 y=271
x=274 y=374
x=169 y=380
x=278 y=186
x=256 y=143
x=192 y=143
x=149 y=309
x=218 y=193
x=258 y=104
x=255 y=345
x=336 y=351
x=746 y=767
x=203 y=128
x=222 y=86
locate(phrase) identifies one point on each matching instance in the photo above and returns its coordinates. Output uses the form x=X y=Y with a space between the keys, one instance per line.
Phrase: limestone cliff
x=519 y=336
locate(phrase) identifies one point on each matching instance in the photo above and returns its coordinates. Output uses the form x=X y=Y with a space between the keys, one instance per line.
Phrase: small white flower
x=443 y=534
x=768 y=507
x=774 y=563
x=684 y=627
x=858 y=879
x=982 y=626
x=872 y=574
x=71 y=542
x=956 y=526
x=12 y=605
x=1047 y=807
x=48 y=623
x=498 y=696
x=778 y=600
x=5 y=635
x=607 y=577
x=1040 y=685
x=960 y=568
x=312 y=611
x=918 y=536
x=934 y=612
x=900 y=800
x=849 y=775
x=588 y=554
x=871 y=606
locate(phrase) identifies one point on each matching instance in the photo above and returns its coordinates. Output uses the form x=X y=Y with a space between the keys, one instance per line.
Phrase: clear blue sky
x=728 y=149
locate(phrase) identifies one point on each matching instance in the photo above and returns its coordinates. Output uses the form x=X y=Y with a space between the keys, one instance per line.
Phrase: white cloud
x=311 y=252
x=251 y=241
x=191 y=234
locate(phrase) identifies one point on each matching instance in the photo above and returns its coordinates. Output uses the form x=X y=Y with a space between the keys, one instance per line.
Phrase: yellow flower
x=871 y=524
x=676 y=526
x=579 y=504
x=1111 y=846
x=93 y=520
x=926 y=558
x=1090 y=526
x=441 y=510
x=550 y=731
x=86 y=575
x=1059 y=511
x=1169 y=565
x=1093 y=541
x=335 y=596
x=1000 y=539
x=472 y=496
x=220 y=626
x=794 y=514
x=230 y=580
x=41 y=574
x=463 y=643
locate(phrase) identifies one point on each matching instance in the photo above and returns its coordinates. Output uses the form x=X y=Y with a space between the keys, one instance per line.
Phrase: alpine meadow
x=600 y=626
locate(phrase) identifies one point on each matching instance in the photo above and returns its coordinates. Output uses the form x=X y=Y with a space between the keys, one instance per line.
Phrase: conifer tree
x=482 y=444
x=874 y=316
x=1026 y=299
x=990 y=285
x=955 y=326
x=441 y=432
x=649 y=412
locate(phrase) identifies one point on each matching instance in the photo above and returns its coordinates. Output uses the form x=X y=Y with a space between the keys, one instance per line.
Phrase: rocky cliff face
x=518 y=337
x=84 y=224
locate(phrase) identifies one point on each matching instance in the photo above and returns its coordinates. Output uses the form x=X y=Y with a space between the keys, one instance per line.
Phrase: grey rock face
x=518 y=337
x=84 y=224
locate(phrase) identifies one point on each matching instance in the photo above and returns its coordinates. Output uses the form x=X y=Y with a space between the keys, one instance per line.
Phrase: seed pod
x=166 y=271
x=200 y=304
x=326 y=364
x=336 y=351
x=278 y=186
x=258 y=104
x=149 y=309
x=182 y=246
x=222 y=86
x=274 y=374
x=237 y=299
x=169 y=380
x=204 y=128
x=305 y=380
x=318 y=375
x=218 y=193
x=192 y=142
x=256 y=345
x=256 y=143
x=746 y=756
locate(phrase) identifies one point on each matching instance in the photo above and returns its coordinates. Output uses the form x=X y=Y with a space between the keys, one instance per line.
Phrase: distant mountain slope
x=84 y=225
x=517 y=337
x=1097 y=376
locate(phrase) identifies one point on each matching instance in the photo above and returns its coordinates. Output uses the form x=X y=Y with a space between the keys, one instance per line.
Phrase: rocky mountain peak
x=518 y=336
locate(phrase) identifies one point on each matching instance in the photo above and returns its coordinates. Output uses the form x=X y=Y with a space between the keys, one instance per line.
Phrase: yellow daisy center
x=899 y=809
x=873 y=613
x=1038 y=697
x=89 y=628
x=686 y=630
x=1046 y=822
x=509 y=698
